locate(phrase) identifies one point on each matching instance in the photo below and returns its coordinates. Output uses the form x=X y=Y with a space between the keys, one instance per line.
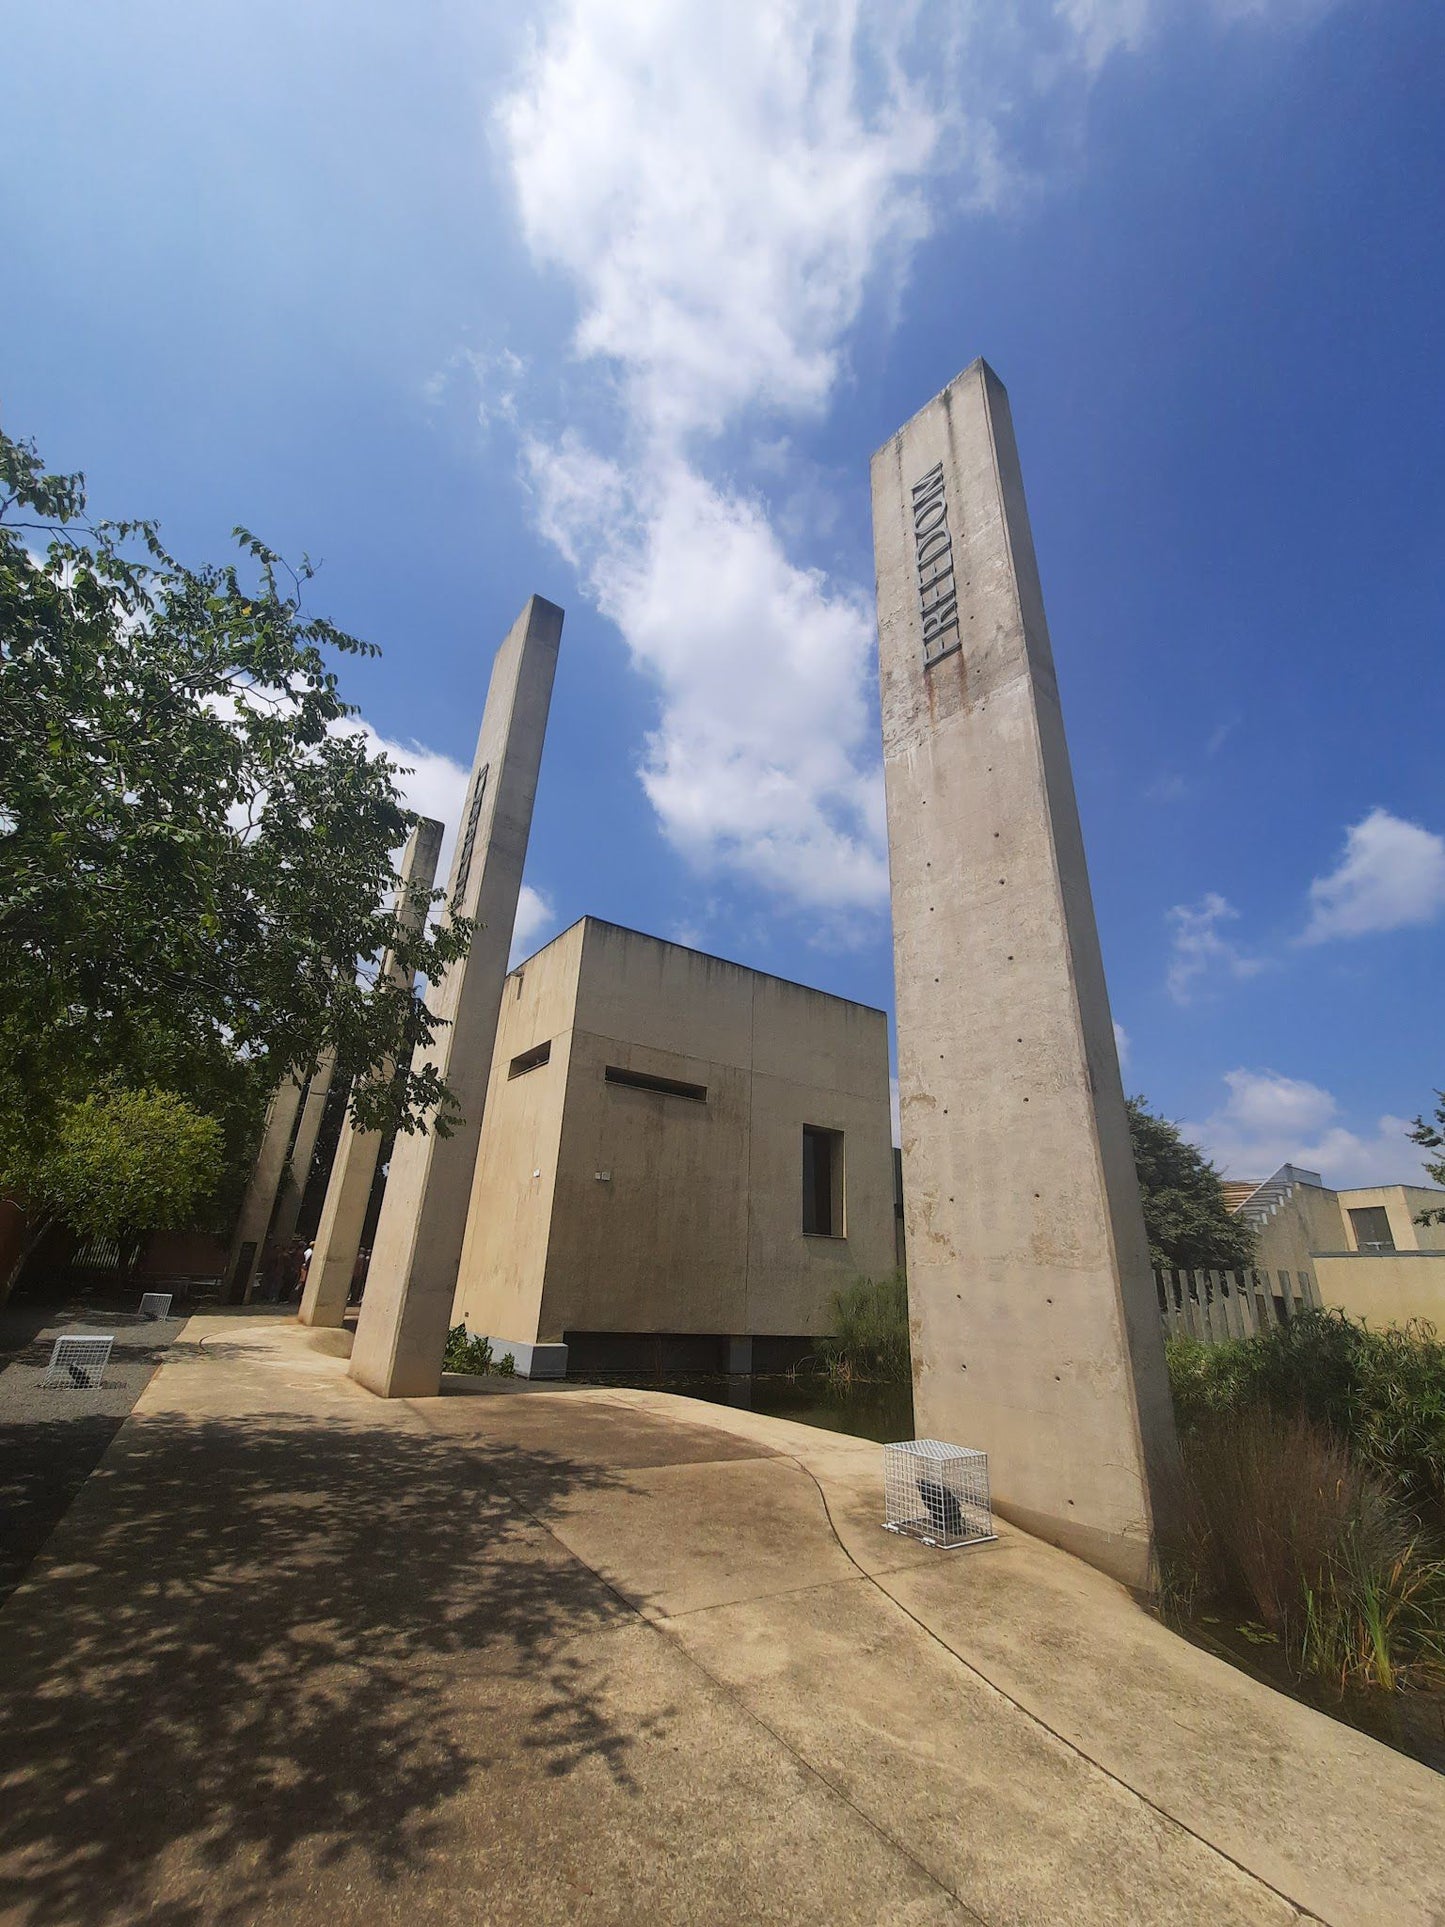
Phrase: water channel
x=866 y=1411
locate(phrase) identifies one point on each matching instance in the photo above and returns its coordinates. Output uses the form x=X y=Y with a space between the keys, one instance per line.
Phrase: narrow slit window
x=643 y=1081
x=822 y=1182
x=530 y=1060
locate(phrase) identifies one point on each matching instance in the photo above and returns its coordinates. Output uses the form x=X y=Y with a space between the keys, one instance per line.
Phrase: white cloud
x=1268 y=1120
x=494 y=375
x=536 y=920
x=1121 y=1044
x=1391 y=875
x=1168 y=787
x=719 y=185
x=1200 y=952
x=722 y=186
x=1265 y=1104
x=762 y=760
x=1103 y=27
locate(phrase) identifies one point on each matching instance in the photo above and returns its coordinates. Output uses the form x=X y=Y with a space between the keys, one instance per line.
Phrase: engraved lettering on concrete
x=933 y=555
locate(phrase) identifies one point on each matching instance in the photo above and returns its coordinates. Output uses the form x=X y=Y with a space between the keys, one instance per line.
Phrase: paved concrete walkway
x=584 y=1655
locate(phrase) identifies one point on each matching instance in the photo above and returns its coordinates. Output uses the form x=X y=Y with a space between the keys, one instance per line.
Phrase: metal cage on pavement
x=937 y=1493
x=78 y=1364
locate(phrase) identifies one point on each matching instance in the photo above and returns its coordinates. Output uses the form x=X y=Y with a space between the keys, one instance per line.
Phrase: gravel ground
x=50 y=1441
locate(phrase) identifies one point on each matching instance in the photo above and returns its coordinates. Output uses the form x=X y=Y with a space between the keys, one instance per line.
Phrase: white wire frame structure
x=937 y=1493
x=78 y=1364
x=156 y=1304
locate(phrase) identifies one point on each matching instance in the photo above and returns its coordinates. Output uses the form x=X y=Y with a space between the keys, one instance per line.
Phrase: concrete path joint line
x=660 y=1626
x=733 y=1698
x=1172 y=1819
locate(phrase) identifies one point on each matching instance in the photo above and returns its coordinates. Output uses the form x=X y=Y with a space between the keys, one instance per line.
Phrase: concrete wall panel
x=695 y=1224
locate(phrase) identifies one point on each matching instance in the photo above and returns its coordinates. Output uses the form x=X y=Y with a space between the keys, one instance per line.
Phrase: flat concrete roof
x=667 y=943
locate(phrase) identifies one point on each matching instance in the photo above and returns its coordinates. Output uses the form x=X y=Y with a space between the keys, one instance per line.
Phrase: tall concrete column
x=1035 y=1328
x=254 y=1220
x=353 y=1169
x=401 y=1333
x=303 y=1148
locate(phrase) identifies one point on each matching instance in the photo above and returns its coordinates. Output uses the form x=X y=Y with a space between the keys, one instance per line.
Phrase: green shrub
x=507 y=1366
x=1381 y=1393
x=870 y=1331
x=467 y=1354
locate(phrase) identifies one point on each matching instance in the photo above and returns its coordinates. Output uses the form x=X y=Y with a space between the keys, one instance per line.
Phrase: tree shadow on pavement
x=51 y=1440
x=266 y=1639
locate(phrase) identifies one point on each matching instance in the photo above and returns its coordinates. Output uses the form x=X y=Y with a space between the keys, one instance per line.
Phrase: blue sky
x=613 y=301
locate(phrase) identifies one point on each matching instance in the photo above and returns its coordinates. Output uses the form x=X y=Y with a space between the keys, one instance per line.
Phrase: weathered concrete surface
x=597 y=1208
x=593 y=1656
x=248 y=1240
x=1036 y=1331
x=402 y=1330
x=303 y=1149
x=353 y=1168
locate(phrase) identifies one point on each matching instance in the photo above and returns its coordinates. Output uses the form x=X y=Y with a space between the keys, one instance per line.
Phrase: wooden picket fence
x=1214 y=1306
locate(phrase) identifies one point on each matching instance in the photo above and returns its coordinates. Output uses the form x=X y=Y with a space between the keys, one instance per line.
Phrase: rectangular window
x=1371 y=1227
x=530 y=1060
x=822 y=1182
x=641 y=1081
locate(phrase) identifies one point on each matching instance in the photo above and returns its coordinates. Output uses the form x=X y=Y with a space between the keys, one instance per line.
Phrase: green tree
x=1190 y=1226
x=121 y=1163
x=1432 y=1138
x=196 y=871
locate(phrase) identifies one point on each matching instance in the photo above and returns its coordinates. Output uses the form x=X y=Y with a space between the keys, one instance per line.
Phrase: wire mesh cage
x=156 y=1304
x=78 y=1364
x=937 y=1493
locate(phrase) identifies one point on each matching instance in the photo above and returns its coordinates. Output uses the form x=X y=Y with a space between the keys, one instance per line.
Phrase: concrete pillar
x=353 y=1169
x=298 y=1165
x=1035 y=1325
x=401 y=1333
x=254 y=1221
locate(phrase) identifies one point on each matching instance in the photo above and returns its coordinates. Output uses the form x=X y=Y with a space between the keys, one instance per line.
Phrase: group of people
x=285 y=1265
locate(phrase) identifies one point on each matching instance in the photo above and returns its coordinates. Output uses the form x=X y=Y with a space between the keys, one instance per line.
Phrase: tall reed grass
x=1312 y=1462
x=870 y=1332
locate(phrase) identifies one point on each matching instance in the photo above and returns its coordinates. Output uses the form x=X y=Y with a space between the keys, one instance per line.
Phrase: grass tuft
x=870 y=1332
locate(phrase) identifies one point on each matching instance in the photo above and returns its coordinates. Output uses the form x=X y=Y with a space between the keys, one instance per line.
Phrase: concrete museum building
x=681 y=1160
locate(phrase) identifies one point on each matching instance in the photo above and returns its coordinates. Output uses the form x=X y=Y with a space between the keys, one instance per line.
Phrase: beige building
x=1363 y=1248
x=681 y=1160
